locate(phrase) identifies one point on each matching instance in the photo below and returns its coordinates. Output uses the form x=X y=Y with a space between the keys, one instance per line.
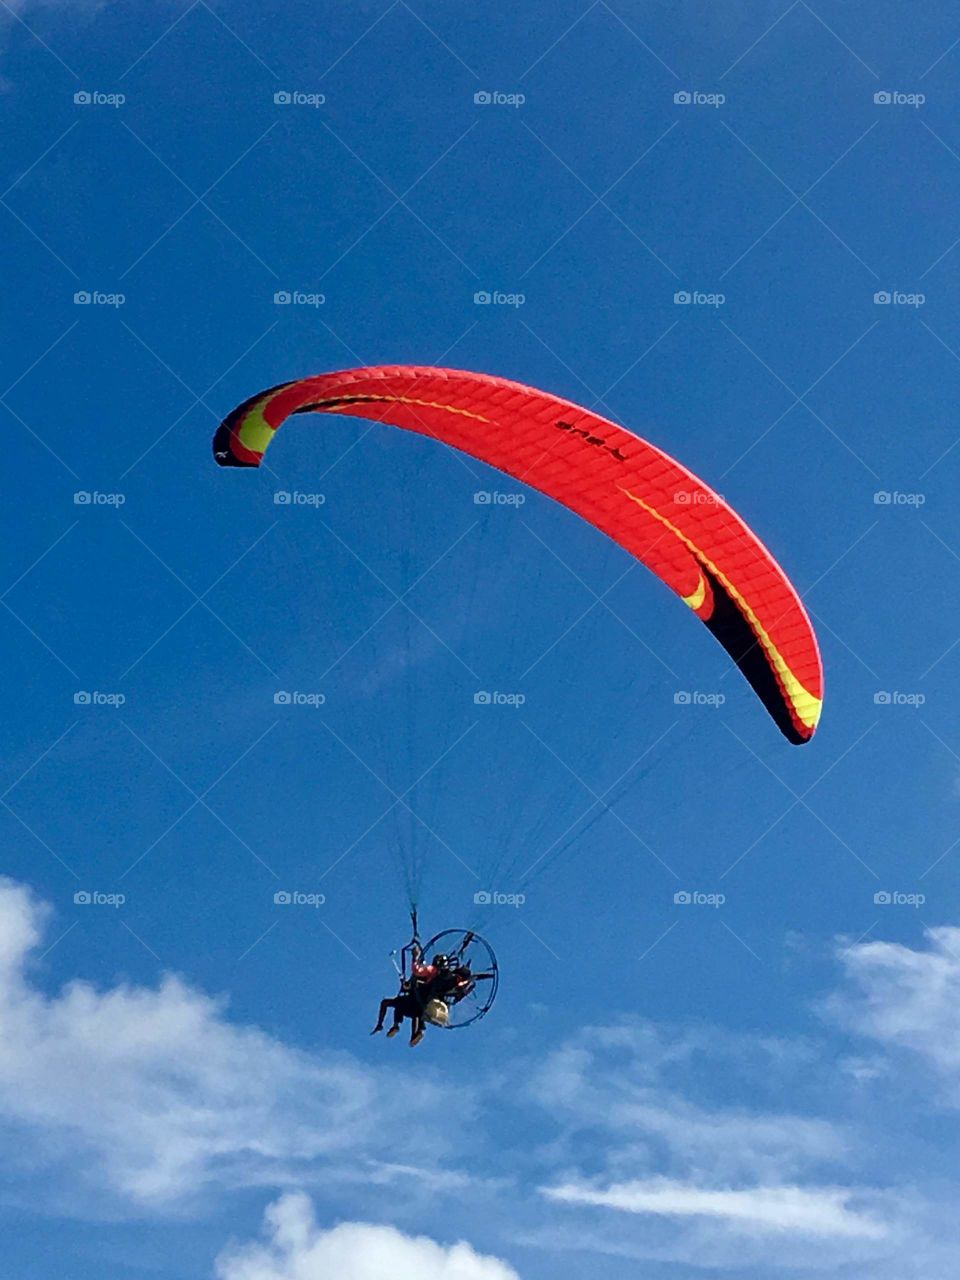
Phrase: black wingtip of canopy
x=223 y=446
x=223 y=440
x=734 y=632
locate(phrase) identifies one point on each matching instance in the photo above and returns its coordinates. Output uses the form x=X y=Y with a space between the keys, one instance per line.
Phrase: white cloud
x=648 y=1143
x=655 y=1158
x=823 y=1212
x=156 y=1095
x=630 y=1093
x=297 y=1249
x=907 y=998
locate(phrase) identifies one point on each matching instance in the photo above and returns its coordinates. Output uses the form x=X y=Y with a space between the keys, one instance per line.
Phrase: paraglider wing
x=634 y=492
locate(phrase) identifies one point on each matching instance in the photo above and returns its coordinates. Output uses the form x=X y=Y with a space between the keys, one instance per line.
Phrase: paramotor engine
x=471 y=960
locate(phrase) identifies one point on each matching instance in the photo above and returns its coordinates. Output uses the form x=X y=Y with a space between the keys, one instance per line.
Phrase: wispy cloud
x=637 y=1093
x=907 y=999
x=657 y=1154
x=822 y=1212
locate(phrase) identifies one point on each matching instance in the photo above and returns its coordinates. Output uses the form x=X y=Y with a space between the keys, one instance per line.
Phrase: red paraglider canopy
x=634 y=492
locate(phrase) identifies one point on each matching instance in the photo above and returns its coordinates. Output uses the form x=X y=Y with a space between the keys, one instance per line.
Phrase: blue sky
x=763 y=1086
